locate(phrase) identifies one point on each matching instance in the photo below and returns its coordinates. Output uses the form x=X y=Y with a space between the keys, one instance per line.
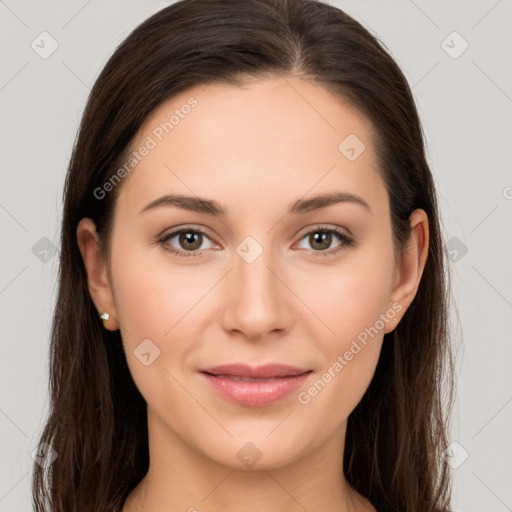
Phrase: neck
x=180 y=477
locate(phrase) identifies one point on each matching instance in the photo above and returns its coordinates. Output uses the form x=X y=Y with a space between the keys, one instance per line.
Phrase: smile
x=254 y=387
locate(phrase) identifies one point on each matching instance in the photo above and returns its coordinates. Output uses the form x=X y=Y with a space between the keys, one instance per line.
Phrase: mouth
x=254 y=386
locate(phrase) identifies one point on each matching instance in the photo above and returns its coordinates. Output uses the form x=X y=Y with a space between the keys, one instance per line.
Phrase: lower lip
x=256 y=393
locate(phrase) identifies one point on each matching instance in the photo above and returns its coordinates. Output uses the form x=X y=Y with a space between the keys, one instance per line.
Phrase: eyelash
x=347 y=241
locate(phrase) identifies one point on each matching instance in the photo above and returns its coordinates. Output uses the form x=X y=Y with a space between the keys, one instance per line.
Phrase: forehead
x=264 y=142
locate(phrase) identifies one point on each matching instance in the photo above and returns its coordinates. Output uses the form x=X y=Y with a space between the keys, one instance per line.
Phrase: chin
x=260 y=451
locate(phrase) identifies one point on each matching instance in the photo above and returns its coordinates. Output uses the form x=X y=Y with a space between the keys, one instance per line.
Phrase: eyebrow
x=210 y=207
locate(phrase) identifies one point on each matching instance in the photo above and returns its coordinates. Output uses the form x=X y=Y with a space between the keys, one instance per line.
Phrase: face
x=273 y=277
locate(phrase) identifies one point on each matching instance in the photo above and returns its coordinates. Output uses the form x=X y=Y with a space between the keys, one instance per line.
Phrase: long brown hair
x=97 y=422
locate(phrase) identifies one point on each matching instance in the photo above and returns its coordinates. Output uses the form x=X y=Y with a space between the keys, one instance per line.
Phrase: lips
x=254 y=386
x=260 y=372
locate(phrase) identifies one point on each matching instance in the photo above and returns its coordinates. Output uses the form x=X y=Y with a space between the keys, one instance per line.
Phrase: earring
x=104 y=316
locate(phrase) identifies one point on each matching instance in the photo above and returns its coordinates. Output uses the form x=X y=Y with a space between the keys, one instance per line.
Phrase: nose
x=258 y=303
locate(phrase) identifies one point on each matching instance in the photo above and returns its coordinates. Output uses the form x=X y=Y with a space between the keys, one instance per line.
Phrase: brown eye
x=320 y=240
x=190 y=240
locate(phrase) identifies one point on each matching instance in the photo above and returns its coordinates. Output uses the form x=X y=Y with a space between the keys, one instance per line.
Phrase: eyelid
x=325 y=227
x=166 y=236
x=347 y=240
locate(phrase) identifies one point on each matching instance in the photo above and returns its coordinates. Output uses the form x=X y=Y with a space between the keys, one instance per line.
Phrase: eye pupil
x=192 y=238
x=321 y=237
x=191 y=241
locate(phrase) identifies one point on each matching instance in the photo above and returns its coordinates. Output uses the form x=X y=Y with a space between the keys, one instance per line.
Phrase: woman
x=252 y=302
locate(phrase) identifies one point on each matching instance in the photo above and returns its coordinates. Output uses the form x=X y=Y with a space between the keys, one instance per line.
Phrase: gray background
x=465 y=101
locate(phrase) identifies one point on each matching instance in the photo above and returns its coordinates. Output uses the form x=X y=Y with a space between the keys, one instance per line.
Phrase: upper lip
x=255 y=372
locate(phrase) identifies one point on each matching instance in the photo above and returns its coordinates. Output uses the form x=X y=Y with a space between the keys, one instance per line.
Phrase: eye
x=321 y=239
x=189 y=240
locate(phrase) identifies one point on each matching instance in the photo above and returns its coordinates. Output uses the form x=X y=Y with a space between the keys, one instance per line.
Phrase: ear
x=408 y=276
x=97 y=275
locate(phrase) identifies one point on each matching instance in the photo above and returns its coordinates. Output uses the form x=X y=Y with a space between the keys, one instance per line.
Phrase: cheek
x=155 y=301
x=153 y=295
x=352 y=309
x=352 y=303
x=154 y=305
x=350 y=299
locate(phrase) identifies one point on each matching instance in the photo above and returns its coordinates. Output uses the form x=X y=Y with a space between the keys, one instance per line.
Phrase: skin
x=255 y=150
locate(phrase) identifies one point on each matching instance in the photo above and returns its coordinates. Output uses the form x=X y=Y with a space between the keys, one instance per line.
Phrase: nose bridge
x=256 y=306
x=257 y=282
